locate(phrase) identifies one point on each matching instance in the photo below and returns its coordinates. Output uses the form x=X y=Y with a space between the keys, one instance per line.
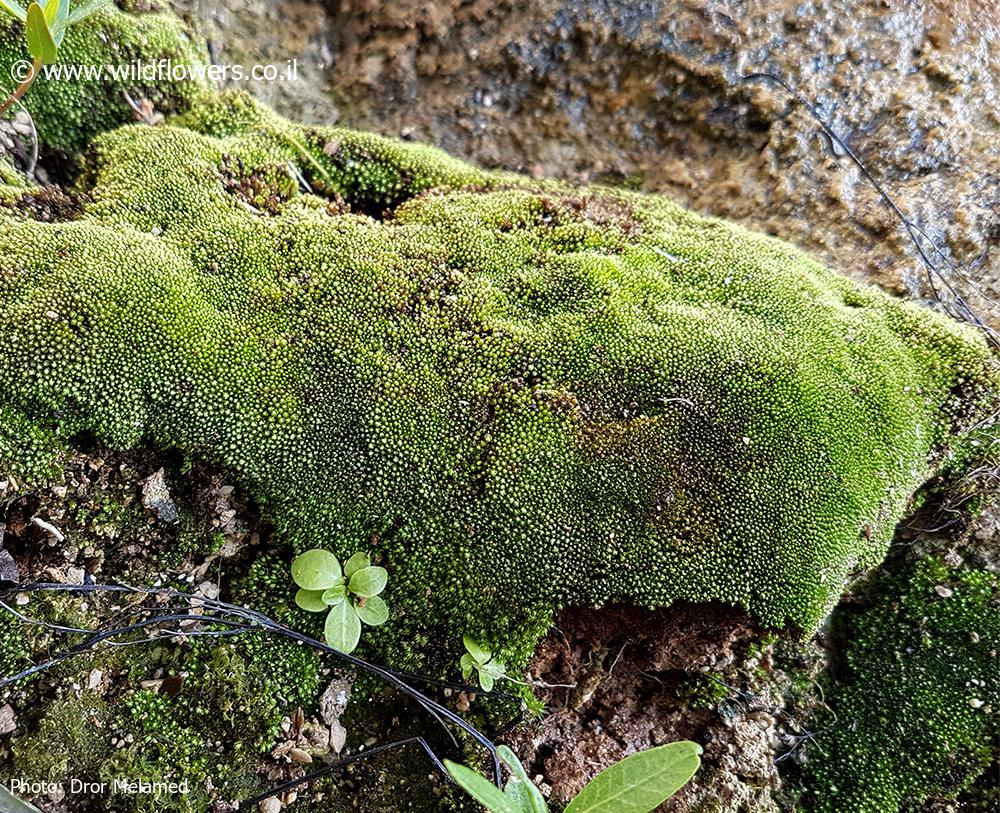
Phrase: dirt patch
x=47 y=204
x=622 y=679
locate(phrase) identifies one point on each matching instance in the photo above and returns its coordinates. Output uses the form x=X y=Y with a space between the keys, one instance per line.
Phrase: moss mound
x=526 y=394
x=916 y=719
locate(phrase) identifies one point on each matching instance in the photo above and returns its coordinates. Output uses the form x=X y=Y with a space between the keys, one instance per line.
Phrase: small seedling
x=480 y=660
x=350 y=595
x=45 y=23
x=640 y=783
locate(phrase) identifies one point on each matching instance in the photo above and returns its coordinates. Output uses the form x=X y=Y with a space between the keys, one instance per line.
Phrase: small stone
x=976 y=703
x=75 y=575
x=338 y=736
x=300 y=756
x=8 y=719
x=209 y=590
x=270 y=805
x=156 y=497
x=94 y=679
x=944 y=592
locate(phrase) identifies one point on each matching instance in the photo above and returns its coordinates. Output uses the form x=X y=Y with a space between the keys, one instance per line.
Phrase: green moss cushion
x=527 y=394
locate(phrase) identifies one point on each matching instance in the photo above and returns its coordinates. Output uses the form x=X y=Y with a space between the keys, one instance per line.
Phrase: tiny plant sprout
x=480 y=660
x=349 y=595
x=45 y=23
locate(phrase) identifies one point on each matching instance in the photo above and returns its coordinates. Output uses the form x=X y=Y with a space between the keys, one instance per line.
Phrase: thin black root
x=179 y=611
x=945 y=293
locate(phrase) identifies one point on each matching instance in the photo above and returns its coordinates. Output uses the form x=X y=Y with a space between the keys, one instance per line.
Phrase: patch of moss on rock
x=917 y=715
x=519 y=395
x=70 y=108
x=212 y=727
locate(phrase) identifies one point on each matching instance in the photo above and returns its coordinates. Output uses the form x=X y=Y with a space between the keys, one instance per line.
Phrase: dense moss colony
x=526 y=394
x=917 y=719
x=68 y=112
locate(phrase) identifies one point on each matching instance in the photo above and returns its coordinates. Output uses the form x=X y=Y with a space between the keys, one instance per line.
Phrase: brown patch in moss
x=49 y=204
x=630 y=674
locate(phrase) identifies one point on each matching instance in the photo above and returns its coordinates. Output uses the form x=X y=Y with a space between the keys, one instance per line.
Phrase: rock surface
x=651 y=94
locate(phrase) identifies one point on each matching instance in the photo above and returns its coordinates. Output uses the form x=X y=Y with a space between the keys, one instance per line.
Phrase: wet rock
x=652 y=94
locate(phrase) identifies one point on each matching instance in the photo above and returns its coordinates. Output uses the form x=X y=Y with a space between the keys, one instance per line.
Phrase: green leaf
x=486 y=680
x=40 y=42
x=84 y=11
x=641 y=782
x=316 y=569
x=61 y=21
x=14 y=9
x=51 y=9
x=481 y=789
x=375 y=611
x=9 y=803
x=343 y=627
x=519 y=786
x=494 y=668
x=468 y=665
x=334 y=595
x=357 y=562
x=479 y=654
x=369 y=581
x=310 y=600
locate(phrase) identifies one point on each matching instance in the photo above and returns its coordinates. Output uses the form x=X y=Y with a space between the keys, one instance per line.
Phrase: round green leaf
x=369 y=581
x=468 y=665
x=486 y=680
x=316 y=569
x=374 y=612
x=639 y=783
x=310 y=600
x=479 y=653
x=343 y=627
x=357 y=562
x=494 y=668
x=334 y=595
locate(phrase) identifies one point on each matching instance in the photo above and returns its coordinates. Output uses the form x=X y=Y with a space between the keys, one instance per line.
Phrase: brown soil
x=622 y=679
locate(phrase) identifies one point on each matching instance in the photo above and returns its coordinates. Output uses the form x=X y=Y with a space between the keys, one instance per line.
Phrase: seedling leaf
x=316 y=569
x=369 y=581
x=84 y=11
x=343 y=627
x=374 y=612
x=478 y=653
x=357 y=562
x=639 y=783
x=481 y=789
x=334 y=595
x=520 y=786
x=310 y=600
x=14 y=9
x=41 y=45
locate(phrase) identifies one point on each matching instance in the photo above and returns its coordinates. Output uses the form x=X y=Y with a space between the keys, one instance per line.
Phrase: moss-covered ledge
x=526 y=393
